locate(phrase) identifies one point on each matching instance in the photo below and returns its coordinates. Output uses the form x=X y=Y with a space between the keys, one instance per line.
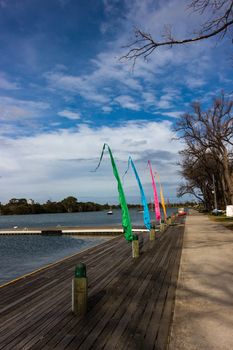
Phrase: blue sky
x=64 y=92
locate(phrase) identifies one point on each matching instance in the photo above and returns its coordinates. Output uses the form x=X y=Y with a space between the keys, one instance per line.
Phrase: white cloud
x=12 y=108
x=69 y=114
x=5 y=84
x=149 y=98
x=194 y=83
x=127 y=102
x=57 y=164
x=76 y=85
x=111 y=7
x=165 y=102
x=154 y=15
x=107 y=109
x=107 y=77
x=173 y=114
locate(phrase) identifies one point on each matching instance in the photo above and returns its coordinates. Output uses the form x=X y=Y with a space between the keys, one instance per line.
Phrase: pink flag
x=156 y=200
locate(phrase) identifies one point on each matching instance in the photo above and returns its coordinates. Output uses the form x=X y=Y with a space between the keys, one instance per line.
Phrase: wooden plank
x=135 y=332
x=152 y=329
x=165 y=323
x=40 y=306
x=10 y=290
x=94 y=318
x=113 y=312
x=108 y=335
x=124 y=295
x=70 y=295
x=43 y=277
x=39 y=291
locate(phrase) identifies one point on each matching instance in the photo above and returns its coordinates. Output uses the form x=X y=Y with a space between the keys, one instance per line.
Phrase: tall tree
x=208 y=137
x=70 y=204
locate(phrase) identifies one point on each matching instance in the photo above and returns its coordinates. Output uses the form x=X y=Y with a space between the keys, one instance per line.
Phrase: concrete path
x=203 y=316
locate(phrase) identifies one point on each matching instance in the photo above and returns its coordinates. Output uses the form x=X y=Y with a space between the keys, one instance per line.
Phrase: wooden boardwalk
x=130 y=300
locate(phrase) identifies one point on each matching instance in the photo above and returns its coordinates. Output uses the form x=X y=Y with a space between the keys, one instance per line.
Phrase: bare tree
x=208 y=137
x=198 y=168
x=221 y=21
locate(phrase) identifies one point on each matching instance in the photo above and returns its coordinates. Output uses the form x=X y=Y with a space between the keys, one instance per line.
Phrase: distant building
x=30 y=201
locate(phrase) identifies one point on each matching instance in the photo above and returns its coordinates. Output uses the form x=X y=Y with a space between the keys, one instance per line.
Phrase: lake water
x=22 y=254
x=95 y=218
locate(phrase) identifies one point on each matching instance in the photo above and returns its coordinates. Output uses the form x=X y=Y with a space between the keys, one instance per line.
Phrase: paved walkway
x=203 y=317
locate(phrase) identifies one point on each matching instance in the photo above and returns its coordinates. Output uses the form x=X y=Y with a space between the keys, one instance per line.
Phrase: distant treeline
x=69 y=204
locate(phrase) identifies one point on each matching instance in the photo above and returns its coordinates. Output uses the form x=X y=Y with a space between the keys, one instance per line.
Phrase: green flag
x=126 y=222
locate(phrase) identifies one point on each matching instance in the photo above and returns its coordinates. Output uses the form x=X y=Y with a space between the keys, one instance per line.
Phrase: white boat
x=110 y=212
x=181 y=212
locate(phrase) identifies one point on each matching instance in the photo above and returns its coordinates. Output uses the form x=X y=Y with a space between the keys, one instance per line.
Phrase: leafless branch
x=145 y=44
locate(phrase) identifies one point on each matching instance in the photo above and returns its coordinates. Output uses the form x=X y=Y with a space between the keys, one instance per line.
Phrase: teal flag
x=126 y=222
x=146 y=213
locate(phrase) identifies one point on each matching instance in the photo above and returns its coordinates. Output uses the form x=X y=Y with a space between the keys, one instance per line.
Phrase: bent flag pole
x=126 y=222
x=162 y=197
x=156 y=200
x=146 y=214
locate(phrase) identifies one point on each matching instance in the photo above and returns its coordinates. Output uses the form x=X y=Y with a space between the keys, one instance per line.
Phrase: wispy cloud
x=107 y=109
x=173 y=114
x=194 y=83
x=15 y=109
x=69 y=114
x=107 y=79
x=5 y=84
x=127 y=102
x=76 y=85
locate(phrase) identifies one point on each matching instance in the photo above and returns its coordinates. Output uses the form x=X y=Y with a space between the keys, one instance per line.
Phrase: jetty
x=80 y=231
x=130 y=301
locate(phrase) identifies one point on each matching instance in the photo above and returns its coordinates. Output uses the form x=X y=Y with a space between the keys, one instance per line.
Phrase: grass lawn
x=222 y=219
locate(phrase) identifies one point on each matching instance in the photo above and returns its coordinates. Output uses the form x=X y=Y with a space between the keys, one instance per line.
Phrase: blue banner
x=146 y=213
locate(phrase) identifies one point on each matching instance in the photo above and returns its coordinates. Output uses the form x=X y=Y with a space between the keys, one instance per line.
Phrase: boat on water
x=110 y=212
x=181 y=212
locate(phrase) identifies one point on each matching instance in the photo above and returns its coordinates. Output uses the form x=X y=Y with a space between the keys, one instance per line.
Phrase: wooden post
x=135 y=247
x=162 y=226
x=152 y=234
x=173 y=218
x=79 y=290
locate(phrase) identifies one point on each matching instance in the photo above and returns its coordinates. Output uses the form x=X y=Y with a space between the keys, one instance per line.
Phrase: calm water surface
x=22 y=254
x=96 y=218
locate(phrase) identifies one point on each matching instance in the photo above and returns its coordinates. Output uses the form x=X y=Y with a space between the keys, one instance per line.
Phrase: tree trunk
x=227 y=175
x=225 y=194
